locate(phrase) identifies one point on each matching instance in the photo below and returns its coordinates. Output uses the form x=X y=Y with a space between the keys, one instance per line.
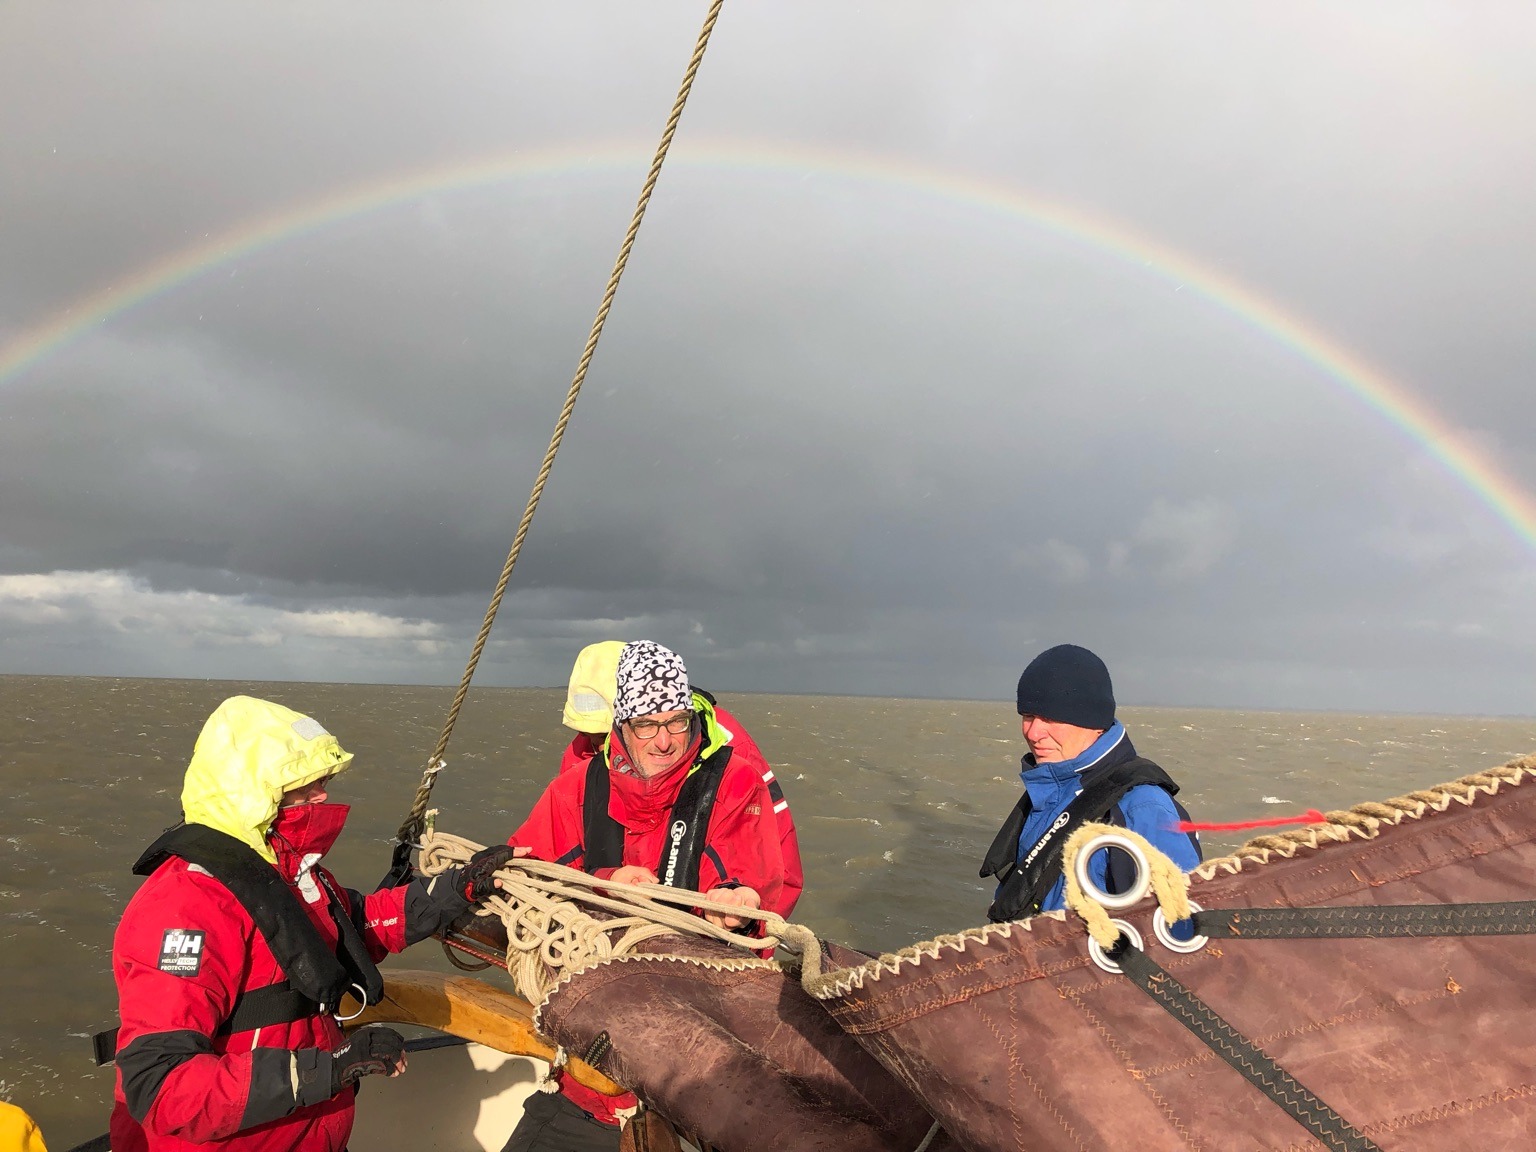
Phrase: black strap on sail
x=310 y=965
x=1248 y=1059
x=1510 y=918
x=1514 y=918
x=687 y=824
x=1026 y=883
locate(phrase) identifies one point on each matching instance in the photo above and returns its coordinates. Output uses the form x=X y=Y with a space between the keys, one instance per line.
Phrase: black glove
x=477 y=879
x=323 y=1074
x=367 y=1051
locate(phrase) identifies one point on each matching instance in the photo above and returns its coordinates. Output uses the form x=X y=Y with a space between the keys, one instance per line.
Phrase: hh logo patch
x=181 y=951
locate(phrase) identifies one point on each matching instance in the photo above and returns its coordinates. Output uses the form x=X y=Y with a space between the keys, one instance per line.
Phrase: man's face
x=1051 y=740
x=654 y=744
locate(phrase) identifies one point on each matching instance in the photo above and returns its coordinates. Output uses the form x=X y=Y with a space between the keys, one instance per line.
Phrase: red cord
x=1312 y=816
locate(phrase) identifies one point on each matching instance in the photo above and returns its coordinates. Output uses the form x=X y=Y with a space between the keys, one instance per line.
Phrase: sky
x=1203 y=335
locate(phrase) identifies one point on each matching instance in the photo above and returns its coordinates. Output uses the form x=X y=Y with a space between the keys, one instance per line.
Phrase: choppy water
x=895 y=799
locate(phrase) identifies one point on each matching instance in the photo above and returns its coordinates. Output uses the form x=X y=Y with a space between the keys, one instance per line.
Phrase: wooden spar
x=472 y=1010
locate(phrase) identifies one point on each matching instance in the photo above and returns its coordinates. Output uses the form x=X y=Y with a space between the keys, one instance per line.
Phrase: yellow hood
x=594 y=682
x=248 y=754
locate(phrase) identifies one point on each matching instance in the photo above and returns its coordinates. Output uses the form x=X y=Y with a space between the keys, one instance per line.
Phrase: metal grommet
x=362 y=999
x=1118 y=901
x=1168 y=940
x=1101 y=958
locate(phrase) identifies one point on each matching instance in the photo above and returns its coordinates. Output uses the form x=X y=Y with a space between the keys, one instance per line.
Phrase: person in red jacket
x=589 y=710
x=668 y=801
x=232 y=958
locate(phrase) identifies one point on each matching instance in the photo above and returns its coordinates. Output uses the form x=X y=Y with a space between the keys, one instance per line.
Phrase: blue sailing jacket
x=1146 y=808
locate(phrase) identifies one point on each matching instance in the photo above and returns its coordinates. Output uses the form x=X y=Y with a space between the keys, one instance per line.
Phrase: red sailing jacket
x=742 y=840
x=742 y=847
x=585 y=746
x=175 y=996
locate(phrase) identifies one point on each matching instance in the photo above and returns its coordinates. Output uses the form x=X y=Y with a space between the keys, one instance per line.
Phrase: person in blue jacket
x=1080 y=767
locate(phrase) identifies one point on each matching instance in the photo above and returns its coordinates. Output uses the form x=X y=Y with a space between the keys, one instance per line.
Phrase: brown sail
x=734 y=1052
x=1012 y=1038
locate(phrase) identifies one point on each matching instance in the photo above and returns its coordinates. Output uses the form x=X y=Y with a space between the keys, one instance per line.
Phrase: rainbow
x=1378 y=392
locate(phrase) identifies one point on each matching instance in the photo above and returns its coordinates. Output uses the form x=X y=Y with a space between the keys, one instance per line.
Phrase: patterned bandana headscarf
x=651 y=679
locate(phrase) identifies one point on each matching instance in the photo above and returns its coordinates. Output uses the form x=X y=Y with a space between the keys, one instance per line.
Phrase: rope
x=552 y=933
x=1169 y=883
x=411 y=828
x=1365 y=821
x=1310 y=816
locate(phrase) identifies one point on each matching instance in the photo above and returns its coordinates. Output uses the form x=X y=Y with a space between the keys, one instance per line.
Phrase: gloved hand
x=368 y=1051
x=319 y=1075
x=477 y=879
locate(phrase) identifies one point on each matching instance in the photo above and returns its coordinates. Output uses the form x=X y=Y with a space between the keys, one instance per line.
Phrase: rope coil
x=552 y=932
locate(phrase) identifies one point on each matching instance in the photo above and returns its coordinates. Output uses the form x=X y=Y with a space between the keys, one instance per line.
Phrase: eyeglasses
x=645 y=729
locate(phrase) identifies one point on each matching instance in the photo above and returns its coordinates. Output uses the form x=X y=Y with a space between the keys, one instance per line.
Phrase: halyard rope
x=551 y=932
x=411 y=827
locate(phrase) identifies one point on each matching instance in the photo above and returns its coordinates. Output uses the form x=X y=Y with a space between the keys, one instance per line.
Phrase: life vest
x=687 y=823
x=1025 y=883
x=316 y=976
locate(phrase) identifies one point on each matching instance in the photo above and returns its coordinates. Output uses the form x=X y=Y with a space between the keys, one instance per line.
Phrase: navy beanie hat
x=1070 y=685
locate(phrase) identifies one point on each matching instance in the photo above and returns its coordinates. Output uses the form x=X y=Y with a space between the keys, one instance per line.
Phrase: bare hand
x=633 y=874
x=746 y=897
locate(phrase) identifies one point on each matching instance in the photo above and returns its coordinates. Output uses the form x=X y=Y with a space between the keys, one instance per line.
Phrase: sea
x=895 y=800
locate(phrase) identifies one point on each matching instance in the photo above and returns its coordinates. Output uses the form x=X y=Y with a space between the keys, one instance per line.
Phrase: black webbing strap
x=1224 y=1040
x=259 y=1008
x=1514 y=918
x=263 y=1007
x=104 y=1047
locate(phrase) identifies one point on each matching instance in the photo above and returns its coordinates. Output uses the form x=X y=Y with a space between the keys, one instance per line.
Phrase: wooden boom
x=472 y=1010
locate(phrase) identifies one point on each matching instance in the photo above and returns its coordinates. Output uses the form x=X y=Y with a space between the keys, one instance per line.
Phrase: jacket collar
x=300 y=836
x=1044 y=781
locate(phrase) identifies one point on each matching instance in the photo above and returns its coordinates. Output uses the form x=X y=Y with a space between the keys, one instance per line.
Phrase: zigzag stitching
x=1365 y=821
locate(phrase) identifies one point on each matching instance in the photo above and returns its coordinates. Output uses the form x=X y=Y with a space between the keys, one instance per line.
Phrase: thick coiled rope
x=1168 y=882
x=552 y=933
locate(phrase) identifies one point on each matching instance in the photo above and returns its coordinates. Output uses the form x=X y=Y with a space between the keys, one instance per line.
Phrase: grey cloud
x=1058 y=561
x=841 y=435
x=1184 y=540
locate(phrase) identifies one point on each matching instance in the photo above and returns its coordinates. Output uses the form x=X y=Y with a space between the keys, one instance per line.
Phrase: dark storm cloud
x=840 y=435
